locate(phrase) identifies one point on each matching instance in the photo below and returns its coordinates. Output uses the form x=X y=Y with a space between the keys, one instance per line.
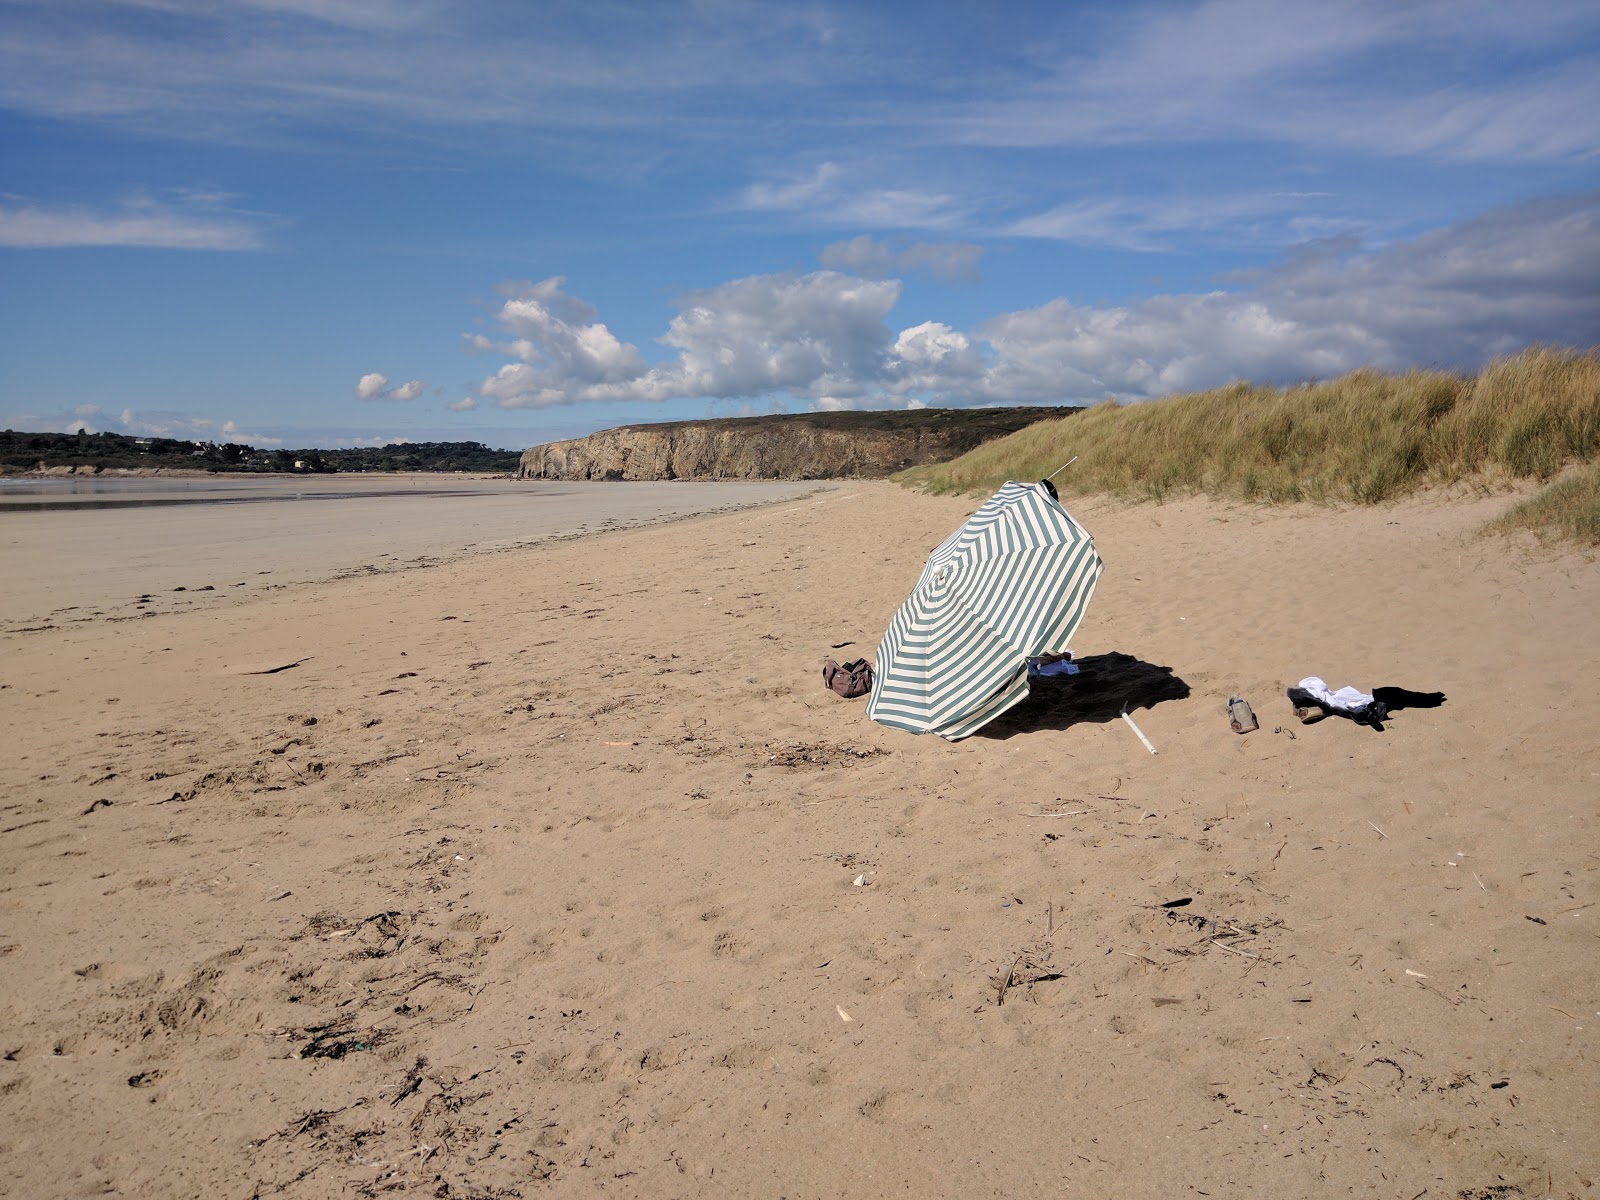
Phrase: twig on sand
x=1000 y=997
x=1381 y=833
x=1077 y=812
x=1447 y=999
x=273 y=670
x=1231 y=950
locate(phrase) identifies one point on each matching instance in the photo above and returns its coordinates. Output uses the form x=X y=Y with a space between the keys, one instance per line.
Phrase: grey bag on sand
x=1240 y=718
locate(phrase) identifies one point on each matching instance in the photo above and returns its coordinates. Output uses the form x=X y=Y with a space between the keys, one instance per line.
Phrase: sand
x=556 y=872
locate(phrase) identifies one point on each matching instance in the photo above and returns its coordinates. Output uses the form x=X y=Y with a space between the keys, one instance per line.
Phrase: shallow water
x=84 y=492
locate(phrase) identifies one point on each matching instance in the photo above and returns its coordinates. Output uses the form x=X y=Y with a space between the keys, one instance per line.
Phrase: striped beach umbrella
x=1011 y=583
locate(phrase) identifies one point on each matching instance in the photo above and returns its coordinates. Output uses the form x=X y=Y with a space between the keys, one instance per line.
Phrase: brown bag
x=851 y=680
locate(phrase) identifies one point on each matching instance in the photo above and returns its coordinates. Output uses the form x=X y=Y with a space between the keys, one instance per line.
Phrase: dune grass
x=1567 y=510
x=1365 y=437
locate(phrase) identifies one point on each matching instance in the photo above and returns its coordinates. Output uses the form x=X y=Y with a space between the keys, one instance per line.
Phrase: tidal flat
x=94 y=548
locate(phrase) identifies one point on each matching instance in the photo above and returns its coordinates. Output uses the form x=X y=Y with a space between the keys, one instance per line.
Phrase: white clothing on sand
x=1346 y=699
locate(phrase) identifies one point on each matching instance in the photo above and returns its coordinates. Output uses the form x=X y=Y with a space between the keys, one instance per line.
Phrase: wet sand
x=91 y=549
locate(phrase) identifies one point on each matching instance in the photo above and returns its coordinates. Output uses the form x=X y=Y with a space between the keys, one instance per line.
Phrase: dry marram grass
x=1366 y=437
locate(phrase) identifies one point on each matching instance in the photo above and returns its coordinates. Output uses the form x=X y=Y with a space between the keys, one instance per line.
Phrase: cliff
x=839 y=445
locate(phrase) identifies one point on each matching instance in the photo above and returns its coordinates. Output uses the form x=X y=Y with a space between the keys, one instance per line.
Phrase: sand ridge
x=559 y=873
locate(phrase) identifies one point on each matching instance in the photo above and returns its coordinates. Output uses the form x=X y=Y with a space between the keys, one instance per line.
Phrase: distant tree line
x=32 y=451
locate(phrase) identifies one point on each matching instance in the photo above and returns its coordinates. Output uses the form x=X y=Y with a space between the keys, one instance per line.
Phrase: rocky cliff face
x=813 y=446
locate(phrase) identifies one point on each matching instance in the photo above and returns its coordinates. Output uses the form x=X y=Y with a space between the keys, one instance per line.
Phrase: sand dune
x=557 y=872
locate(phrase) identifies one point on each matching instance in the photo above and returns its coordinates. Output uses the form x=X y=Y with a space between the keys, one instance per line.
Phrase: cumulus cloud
x=806 y=335
x=564 y=355
x=803 y=335
x=933 y=358
x=375 y=386
x=465 y=404
x=954 y=262
x=1453 y=297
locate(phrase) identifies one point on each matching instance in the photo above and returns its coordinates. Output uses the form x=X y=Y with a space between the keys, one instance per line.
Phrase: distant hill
x=60 y=453
x=825 y=445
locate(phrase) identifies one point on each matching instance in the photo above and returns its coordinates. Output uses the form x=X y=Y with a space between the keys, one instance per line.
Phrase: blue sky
x=335 y=222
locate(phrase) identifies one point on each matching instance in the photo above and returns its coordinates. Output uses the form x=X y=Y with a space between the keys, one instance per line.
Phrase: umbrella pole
x=1062 y=467
x=1137 y=730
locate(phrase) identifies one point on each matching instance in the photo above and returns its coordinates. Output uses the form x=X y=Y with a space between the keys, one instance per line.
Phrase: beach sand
x=556 y=872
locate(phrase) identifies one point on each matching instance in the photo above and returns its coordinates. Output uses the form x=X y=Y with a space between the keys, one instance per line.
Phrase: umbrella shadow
x=1105 y=686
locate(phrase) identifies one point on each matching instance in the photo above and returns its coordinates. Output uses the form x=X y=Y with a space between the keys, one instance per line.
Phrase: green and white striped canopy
x=1011 y=583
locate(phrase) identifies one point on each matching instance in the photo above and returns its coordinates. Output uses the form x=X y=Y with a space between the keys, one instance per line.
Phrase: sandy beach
x=555 y=871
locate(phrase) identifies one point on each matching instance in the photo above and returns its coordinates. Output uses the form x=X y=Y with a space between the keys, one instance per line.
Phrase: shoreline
x=151 y=553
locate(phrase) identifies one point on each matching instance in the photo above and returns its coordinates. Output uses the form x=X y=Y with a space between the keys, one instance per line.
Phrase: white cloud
x=163 y=424
x=795 y=191
x=233 y=433
x=240 y=72
x=1149 y=223
x=182 y=221
x=92 y=418
x=375 y=386
x=950 y=261
x=831 y=196
x=1435 y=77
x=932 y=358
x=465 y=404
x=1453 y=297
x=804 y=335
